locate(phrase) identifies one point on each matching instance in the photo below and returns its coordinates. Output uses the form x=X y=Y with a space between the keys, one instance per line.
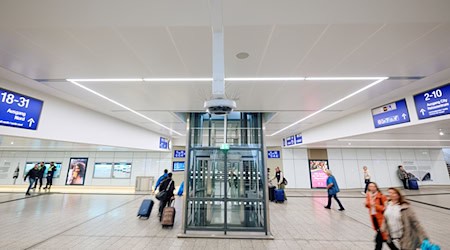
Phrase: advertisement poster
x=317 y=172
x=122 y=170
x=420 y=172
x=77 y=171
x=30 y=165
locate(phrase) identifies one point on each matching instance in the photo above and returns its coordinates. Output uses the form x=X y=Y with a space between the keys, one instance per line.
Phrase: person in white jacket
x=281 y=181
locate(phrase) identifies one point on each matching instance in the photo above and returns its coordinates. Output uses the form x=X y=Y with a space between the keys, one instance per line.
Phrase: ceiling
x=50 y=41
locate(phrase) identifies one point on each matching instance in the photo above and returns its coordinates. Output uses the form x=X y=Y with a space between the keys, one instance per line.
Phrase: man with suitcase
x=167 y=186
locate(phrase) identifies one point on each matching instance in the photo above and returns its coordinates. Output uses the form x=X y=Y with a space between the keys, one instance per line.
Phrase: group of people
x=37 y=174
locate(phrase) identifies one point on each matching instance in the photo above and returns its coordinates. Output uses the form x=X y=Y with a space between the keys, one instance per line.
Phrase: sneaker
x=327 y=207
x=341 y=209
x=27 y=194
x=363 y=193
x=45 y=188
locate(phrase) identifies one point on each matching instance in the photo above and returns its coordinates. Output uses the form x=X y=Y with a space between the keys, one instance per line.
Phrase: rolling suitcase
x=145 y=209
x=412 y=184
x=271 y=193
x=168 y=217
x=279 y=195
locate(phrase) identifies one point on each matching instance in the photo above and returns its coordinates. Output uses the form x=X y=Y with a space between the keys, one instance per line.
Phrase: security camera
x=219 y=106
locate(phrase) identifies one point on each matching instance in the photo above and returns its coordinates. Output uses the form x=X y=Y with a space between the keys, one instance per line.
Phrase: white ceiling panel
x=334 y=44
x=384 y=43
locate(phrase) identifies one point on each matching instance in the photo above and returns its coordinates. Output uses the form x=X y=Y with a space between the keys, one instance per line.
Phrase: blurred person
x=168 y=186
x=41 y=174
x=32 y=175
x=161 y=179
x=401 y=224
x=50 y=172
x=366 y=178
x=403 y=176
x=333 y=189
x=281 y=181
x=375 y=202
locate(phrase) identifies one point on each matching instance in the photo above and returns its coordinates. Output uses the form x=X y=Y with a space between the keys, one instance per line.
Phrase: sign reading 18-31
x=433 y=102
x=17 y=110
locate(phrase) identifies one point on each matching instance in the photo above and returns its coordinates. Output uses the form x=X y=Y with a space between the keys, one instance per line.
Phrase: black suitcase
x=271 y=193
x=145 y=209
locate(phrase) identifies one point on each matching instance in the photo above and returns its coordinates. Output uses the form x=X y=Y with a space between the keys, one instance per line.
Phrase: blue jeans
x=32 y=181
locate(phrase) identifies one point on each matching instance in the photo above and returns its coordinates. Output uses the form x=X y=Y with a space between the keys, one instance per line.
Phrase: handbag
x=162 y=194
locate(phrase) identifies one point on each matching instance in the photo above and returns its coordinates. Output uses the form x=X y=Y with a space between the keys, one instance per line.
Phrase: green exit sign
x=225 y=146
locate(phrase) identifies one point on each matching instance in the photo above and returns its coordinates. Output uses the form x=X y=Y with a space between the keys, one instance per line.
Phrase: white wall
x=61 y=120
x=143 y=164
x=346 y=165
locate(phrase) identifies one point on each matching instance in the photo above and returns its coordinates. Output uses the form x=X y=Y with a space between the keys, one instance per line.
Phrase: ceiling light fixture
x=107 y=80
x=441 y=133
x=205 y=79
x=122 y=106
x=380 y=79
x=253 y=79
x=242 y=55
x=391 y=140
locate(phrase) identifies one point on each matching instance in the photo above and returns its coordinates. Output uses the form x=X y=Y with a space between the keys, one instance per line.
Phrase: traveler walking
x=41 y=175
x=32 y=175
x=375 y=202
x=161 y=179
x=366 y=178
x=281 y=181
x=333 y=189
x=167 y=186
x=405 y=231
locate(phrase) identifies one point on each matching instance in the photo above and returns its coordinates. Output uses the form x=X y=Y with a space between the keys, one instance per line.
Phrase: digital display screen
x=102 y=170
x=317 y=170
x=122 y=170
x=179 y=154
x=178 y=166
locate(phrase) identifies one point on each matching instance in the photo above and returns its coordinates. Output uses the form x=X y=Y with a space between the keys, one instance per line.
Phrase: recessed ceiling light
x=12 y=142
x=242 y=55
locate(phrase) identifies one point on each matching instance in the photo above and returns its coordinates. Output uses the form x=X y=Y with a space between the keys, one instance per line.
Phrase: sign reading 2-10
x=434 y=94
x=10 y=98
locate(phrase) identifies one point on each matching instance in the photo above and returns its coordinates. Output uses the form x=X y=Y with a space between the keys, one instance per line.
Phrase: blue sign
x=390 y=114
x=273 y=154
x=20 y=111
x=433 y=102
x=290 y=141
x=179 y=153
x=298 y=139
x=163 y=143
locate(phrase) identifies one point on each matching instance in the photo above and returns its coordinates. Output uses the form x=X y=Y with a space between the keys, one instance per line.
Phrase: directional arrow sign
x=433 y=102
x=20 y=111
x=30 y=122
x=390 y=114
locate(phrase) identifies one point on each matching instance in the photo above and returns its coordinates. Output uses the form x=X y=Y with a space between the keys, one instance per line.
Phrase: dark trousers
x=49 y=181
x=40 y=182
x=378 y=237
x=367 y=181
x=405 y=183
x=163 y=204
x=336 y=198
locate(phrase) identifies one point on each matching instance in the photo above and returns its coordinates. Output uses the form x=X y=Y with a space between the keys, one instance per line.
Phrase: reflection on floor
x=96 y=221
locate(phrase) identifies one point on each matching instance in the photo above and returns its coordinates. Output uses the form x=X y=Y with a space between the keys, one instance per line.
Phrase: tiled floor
x=88 y=221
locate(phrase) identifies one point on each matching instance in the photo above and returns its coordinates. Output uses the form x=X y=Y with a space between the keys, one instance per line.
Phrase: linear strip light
x=177 y=79
x=122 y=106
x=380 y=79
x=107 y=80
x=252 y=79
x=392 y=140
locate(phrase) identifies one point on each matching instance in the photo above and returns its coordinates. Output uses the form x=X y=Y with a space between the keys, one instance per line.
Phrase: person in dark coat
x=32 y=175
x=167 y=185
x=41 y=168
x=50 y=172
